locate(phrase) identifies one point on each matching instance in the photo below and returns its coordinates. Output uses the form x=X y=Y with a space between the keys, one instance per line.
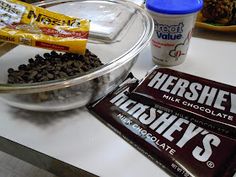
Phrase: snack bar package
x=23 y=23
x=207 y=103
x=174 y=143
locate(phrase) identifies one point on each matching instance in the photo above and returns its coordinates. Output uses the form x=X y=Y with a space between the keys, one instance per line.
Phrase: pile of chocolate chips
x=52 y=66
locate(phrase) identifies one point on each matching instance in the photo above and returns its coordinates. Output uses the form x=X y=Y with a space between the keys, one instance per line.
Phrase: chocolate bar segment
x=207 y=103
x=176 y=144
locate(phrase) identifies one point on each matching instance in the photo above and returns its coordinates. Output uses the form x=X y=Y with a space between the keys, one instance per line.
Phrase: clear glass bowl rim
x=106 y=68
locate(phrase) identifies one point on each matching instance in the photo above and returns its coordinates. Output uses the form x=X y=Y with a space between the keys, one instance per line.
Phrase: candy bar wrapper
x=174 y=143
x=25 y=24
x=206 y=103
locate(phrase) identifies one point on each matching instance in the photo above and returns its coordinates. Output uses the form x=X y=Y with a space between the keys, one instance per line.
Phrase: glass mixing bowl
x=119 y=31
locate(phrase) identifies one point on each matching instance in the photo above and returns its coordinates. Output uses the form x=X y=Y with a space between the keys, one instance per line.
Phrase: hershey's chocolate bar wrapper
x=176 y=144
x=207 y=103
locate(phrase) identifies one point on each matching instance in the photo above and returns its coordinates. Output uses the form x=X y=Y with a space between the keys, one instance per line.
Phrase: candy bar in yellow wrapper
x=23 y=23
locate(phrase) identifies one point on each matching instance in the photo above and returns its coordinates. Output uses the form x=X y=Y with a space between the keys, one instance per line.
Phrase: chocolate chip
x=52 y=66
x=10 y=70
x=22 y=67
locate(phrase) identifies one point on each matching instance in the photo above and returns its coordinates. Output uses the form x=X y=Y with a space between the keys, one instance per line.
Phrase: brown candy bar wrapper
x=207 y=103
x=176 y=144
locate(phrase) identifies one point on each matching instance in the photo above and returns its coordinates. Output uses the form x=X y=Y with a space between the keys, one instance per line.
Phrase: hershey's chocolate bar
x=178 y=145
x=207 y=103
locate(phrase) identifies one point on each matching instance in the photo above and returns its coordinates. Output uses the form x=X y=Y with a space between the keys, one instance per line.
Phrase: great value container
x=174 y=21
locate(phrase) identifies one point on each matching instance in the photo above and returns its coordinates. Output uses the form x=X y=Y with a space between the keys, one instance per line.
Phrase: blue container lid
x=175 y=7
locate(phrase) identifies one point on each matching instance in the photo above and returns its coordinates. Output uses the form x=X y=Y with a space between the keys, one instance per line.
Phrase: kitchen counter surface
x=73 y=143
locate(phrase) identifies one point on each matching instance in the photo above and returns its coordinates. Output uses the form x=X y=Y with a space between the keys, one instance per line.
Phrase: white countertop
x=78 y=138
